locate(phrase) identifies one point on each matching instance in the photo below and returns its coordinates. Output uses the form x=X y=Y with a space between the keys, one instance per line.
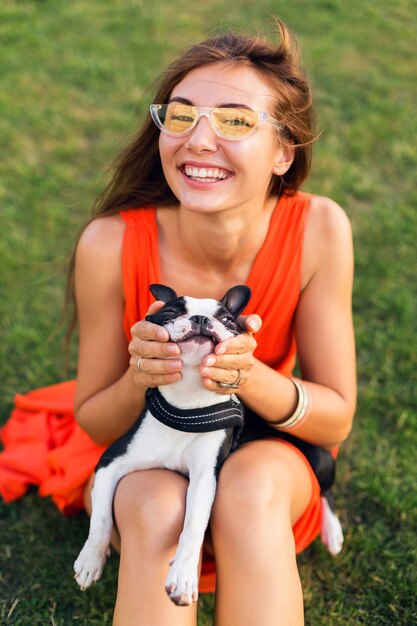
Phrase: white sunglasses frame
x=206 y=111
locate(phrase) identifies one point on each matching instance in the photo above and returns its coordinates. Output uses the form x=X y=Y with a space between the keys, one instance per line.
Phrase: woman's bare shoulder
x=98 y=255
x=327 y=217
x=102 y=236
x=328 y=237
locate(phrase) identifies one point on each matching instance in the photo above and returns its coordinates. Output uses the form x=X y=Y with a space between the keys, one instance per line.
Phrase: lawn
x=74 y=81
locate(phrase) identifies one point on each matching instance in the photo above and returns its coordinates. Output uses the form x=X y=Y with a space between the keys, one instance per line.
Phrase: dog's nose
x=201 y=320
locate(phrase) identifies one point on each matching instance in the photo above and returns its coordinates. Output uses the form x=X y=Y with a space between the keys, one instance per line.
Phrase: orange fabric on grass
x=44 y=446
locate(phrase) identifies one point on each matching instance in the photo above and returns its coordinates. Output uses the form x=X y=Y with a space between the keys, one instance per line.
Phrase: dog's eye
x=226 y=319
x=167 y=315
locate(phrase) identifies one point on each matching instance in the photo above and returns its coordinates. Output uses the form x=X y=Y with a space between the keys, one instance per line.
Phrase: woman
x=205 y=197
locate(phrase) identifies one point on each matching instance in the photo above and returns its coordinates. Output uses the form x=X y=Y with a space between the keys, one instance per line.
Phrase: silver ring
x=235 y=384
x=138 y=367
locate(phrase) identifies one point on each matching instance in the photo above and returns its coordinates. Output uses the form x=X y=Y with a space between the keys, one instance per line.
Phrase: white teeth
x=202 y=173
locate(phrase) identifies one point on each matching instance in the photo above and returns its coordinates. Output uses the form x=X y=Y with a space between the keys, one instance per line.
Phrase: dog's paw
x=90 y=563
x=182 y=583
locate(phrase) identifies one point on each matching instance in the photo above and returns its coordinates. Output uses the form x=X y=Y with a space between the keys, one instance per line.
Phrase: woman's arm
x=324 y=326
x=325 y=338
x=107 y=399
x=110 y=390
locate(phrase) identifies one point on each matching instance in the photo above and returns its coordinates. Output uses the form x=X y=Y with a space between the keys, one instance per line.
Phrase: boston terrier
x=191 y=430
x=184 y=427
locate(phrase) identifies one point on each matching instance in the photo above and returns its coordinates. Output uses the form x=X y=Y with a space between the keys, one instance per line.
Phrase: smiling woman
x=207 y=196
x=234 y=94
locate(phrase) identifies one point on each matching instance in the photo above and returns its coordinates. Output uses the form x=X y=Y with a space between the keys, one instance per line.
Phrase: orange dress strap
x=275 y=280
x=140 y=263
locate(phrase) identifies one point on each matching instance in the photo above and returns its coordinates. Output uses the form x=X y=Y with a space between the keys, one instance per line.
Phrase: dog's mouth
x=200 y=338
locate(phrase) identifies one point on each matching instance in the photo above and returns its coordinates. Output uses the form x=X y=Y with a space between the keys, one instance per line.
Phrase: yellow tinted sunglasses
x=178 y=119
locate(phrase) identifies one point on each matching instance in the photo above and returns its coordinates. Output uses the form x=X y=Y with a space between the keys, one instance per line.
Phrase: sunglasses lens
x=176 y=118
x=234 y=123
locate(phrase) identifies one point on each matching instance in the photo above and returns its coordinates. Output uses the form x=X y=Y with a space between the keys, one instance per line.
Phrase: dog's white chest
x=157 y=445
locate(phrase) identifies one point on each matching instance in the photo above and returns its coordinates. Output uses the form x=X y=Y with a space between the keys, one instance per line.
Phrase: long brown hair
x=138 y=179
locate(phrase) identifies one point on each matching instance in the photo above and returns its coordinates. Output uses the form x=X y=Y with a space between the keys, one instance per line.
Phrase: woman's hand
x=152 y=355
x=232 y=358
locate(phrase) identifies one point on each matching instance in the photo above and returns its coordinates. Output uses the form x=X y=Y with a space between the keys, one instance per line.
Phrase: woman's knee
x=258 y=485
x=151 y=503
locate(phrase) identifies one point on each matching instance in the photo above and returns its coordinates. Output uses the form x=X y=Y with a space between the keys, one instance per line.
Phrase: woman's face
x=242 y=169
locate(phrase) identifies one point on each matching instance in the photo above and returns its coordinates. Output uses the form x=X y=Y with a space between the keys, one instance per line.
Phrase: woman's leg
x=263 y=489
x=149 y=510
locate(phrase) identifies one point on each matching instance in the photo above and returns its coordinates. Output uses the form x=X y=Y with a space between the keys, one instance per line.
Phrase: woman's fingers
x=155 y=366
x=228 y=376
x=239 y=345
x=155 y=372
x=251 y=323
x=153 y=349
x=148 y=331
x=157 y=380
x=153 y=358
x=228 y=361
x=232 y=362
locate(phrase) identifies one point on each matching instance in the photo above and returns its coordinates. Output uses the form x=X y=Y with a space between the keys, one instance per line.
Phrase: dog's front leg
x=92 y=558
x=182 y=581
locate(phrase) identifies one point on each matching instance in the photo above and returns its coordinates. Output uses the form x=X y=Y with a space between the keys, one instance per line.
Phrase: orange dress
x=43 y=444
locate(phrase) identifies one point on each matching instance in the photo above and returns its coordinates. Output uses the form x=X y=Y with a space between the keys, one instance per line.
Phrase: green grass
x=73 y=82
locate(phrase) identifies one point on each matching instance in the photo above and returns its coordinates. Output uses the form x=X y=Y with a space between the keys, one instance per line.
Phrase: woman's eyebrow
x=235 y=105
x=182 y=100
x=224 y=105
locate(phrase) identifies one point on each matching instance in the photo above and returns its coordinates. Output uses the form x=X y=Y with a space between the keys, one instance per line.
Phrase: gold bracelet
x=301 y=411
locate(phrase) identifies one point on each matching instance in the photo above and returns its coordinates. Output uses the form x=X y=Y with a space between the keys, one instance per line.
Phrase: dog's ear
x=162 y=292
x=236 y=299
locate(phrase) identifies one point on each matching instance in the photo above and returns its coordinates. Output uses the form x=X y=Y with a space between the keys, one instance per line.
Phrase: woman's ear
x=285 y=158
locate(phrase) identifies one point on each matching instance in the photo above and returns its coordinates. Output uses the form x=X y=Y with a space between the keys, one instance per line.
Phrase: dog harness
x=229 y=414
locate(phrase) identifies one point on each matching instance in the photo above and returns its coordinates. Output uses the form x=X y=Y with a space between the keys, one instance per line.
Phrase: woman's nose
x=202 y=137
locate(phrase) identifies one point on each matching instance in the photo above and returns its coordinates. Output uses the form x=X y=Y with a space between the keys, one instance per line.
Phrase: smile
x=206 y=174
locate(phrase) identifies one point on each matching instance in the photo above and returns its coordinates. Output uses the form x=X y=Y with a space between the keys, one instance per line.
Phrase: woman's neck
x=224 y=239
x=222 y=246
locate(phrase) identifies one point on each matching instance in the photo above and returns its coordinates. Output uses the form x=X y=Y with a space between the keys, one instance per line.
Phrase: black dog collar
x=228 y=414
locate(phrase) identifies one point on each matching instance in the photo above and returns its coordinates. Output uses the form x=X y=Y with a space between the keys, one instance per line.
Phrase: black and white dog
x=185 y=428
